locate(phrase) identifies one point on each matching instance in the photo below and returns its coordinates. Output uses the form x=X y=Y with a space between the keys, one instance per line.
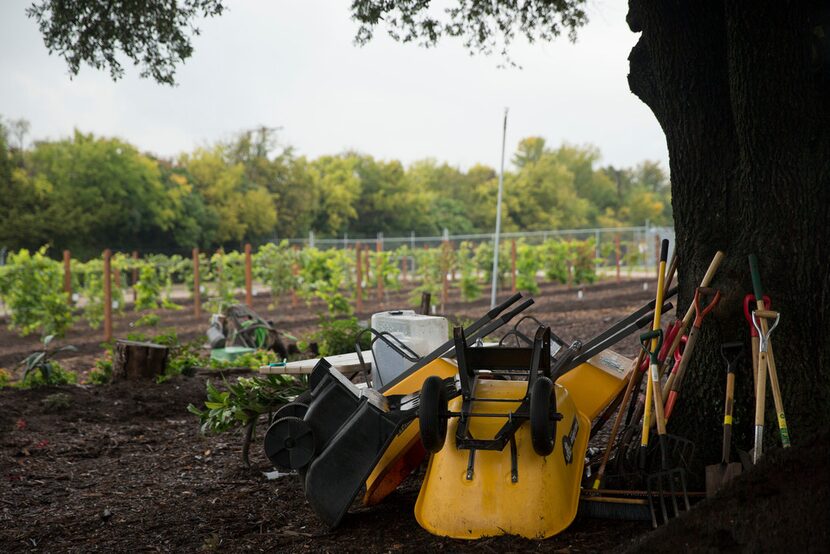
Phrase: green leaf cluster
x=86 y=193
x=31 y=287
x=244 y=401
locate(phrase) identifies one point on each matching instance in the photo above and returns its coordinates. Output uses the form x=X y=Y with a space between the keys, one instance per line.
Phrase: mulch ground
x=124 y=468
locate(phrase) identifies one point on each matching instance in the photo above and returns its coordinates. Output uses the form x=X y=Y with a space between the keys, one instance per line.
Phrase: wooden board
x=346 y=363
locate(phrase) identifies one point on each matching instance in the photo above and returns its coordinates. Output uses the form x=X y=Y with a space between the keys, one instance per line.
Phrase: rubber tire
x=292 y=409
x=432 y=421
x=542 y=426
x=289 y=443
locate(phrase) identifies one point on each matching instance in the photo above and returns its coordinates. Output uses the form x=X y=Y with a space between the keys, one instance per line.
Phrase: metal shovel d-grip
x=764 y=334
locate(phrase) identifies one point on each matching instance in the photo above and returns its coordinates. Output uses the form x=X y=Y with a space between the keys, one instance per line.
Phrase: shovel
x=718 y=474
x=700 y=313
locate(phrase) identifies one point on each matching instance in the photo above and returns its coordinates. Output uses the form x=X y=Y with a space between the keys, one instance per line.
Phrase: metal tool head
x=732 y=352
x=667 y=495
x=679 y=453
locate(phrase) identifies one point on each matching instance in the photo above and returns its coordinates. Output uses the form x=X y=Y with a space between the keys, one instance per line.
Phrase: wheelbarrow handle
x=749 y=306
x=700 y=311
x=503 y=306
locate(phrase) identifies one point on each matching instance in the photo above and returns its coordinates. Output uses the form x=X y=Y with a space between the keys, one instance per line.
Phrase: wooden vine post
x=67 y=275
x=358 y=279
x=197 y=290
x=249 y=281
x=617 y=253
x=513 y=266
x=107 y=296
x=403 y=269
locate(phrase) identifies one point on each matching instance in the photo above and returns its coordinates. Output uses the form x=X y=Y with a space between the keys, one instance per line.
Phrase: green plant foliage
x=327 y=275
x=528 y=264
x=92 y=290
x=50 y=373
x=338 y=336
x=155 y=282
x=555 y=260
x=31 y=287
x=56 y=402
x=101 y=374
x=569 y=261
x=469 y=282
x=5 y=378
x=273 y=264
x=147 y=320
x=252 y=360
x=40 y=369
x=584 y=261
x=484 y=261
x=243 y=402
x=428 y=264
x=228 y=272
x=383 y=266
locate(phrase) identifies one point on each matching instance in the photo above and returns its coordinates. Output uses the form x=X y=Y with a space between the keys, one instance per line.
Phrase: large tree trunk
x=741 y=92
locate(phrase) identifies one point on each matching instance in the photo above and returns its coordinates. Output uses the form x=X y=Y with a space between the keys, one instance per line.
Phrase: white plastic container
x=421 y=333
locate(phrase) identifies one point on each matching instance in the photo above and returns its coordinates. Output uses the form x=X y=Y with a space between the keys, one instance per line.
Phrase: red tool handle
x=678 y=354
x=749 y=304
x=701 y=312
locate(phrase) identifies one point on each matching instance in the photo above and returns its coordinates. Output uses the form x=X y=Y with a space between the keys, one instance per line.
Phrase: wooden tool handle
x=761 y=389
x=727 y=416
x=705 y=282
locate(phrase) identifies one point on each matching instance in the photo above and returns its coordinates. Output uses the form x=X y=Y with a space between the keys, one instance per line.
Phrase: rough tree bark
x=741 y=90
x=138 y=360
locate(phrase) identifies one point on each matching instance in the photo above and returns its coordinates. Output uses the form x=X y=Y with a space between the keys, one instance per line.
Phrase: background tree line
x=86 y=193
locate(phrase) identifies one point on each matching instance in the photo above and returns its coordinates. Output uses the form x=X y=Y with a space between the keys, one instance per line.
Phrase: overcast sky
x=292 y=64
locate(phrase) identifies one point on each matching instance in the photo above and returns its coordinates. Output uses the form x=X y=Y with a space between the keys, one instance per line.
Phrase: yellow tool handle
x=646 y=413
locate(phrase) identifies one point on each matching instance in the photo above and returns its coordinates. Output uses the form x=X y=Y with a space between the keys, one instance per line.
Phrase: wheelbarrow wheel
x=542 y=425
x=292 y=409
x=289 y=443
x=432 y=420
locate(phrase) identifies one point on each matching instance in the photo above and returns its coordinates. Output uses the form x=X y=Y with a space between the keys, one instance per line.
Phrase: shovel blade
x=718 y=475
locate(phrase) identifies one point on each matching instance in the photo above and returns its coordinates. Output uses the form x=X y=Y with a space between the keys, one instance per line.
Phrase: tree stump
x=134 y=361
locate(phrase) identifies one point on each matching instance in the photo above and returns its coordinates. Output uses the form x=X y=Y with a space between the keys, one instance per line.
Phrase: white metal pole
x=493 y=289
